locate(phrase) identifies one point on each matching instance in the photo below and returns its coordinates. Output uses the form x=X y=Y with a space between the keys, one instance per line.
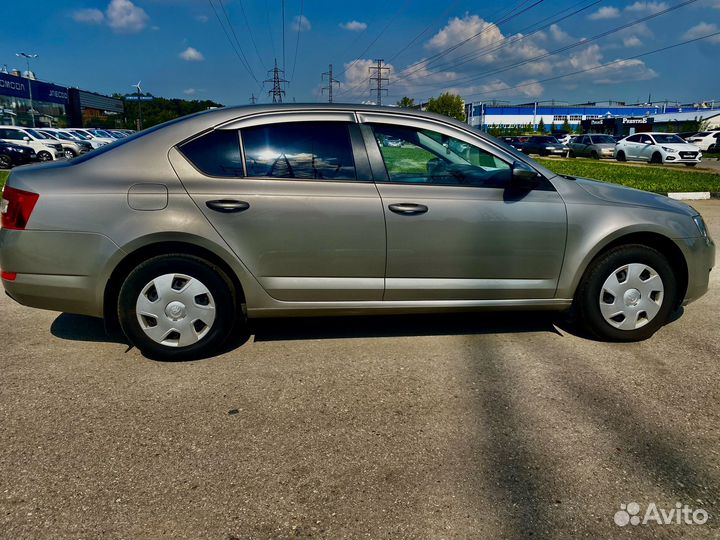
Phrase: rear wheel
x=177 y=307
x=44 y=156
x=627 y=293
x=621 y=156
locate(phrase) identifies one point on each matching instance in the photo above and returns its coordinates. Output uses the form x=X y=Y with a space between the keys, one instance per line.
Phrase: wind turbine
x=139 y=116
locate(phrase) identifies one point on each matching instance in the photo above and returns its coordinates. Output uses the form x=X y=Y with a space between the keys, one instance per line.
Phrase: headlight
x=700 y=225
x=669 y=150
x=16 y=149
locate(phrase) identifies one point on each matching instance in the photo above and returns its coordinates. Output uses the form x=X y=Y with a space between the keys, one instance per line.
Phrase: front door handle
x=408 y=209
x=227 y=206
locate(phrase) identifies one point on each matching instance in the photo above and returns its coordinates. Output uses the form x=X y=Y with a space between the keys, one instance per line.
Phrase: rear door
x=298 y=206
x=455 y=231
x=646 y=147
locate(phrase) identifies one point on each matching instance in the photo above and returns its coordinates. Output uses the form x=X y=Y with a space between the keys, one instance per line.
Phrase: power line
x=270 y=28
x=282 y=3
x=238 y=53
x=297 y=42
x=565 y=48
x=505 y=18
x=600 y=66
x=277 y=81
x=250 y=32
x=379 y=79
x=331 y=81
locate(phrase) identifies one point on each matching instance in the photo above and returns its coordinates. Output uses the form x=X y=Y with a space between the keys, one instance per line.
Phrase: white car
x=95 y=143
x=46 y=148
x=707 y=141
x=72 y=147
x=92 y=136
x=657 y=148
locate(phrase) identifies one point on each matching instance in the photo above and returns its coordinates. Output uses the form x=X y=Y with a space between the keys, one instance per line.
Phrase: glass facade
x=48 y=106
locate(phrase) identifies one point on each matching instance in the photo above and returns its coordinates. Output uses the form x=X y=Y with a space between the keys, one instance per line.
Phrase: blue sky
x=178 y=48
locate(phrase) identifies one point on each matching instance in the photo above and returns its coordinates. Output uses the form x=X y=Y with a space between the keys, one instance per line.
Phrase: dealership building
x=26 y=101
x=608 y=117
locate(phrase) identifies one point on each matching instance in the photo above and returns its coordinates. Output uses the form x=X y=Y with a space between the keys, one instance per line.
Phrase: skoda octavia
x=183 y=231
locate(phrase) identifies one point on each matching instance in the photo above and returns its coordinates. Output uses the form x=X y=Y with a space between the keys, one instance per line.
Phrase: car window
x=216 y=153
x=302 y=150
x=428 y=157
x=12 y=134
x=645 y=139
x=602 y=139
x=632 y=138
x=586 y=140
x=668 y=139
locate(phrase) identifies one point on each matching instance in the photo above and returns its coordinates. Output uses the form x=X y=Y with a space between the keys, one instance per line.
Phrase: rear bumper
x=57 y=270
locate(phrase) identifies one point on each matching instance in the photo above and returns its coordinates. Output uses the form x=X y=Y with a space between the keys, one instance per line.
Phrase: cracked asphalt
x=455 y=426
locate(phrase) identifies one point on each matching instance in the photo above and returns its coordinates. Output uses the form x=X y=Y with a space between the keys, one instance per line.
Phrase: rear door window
x=300 y=150
x=216 y=153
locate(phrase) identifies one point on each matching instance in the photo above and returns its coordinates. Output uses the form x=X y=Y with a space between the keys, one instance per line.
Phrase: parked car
x=15 y=154
x=592 y=145
x=71 y=147
x=562 y=137
x=180 y=231
x=657 y=148
x=707 y=141
x=617 y=138
x=685 y=135
x=515 y=142
x=45 y=147
x=98 y=139
x=78 y=135
x=544 y=145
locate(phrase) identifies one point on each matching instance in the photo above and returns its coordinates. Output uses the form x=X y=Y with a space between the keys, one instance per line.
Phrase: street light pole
x=28 y=57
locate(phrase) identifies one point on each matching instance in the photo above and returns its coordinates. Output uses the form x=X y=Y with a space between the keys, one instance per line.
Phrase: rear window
x=216 y=153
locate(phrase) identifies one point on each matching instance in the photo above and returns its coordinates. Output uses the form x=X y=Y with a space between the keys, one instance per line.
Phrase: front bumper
x=700 y=258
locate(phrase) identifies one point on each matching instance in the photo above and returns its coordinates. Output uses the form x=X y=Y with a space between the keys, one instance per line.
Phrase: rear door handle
x=227 y=206
x=408 y=209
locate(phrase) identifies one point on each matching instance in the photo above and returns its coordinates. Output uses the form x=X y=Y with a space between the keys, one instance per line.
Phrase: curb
x=694 y=195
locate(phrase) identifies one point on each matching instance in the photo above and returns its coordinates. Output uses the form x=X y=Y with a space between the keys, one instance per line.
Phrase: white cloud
x=354 y=26
x=125 y=17
x=558 y=33
x=632 y=41
x=301 y=24
x=190 y=91
x=607 y=12
x=703 y=29
x=88 y=16
x=202 y=18
x=647 y=7
x=191 y=55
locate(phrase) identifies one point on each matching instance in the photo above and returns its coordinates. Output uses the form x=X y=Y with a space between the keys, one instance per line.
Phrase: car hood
x=633 y=197
x=680 y=146
x=604 y=146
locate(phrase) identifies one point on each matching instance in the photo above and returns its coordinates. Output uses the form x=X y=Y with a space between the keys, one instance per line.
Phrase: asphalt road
x=405 y=427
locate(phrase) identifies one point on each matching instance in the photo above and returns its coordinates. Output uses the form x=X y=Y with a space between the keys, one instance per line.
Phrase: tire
x=5 y=162
x=690 y=164
x=656 y=158
x=44 y=156
x=571 y=154
x=177 y=307
x=594 y=155
x=629 y=309
x=621 y=156
x=711 y=149
x=69 y=154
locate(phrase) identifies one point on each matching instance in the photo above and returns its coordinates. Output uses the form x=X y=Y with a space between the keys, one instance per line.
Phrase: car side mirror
x=523 y=176
x=26 y=138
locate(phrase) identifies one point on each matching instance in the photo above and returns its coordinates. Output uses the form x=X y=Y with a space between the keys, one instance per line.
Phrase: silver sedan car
x=181 y=232
x=593 y=145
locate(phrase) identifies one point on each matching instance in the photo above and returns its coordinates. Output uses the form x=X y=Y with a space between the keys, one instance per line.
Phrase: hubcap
x=631 y=296
x=176 y=310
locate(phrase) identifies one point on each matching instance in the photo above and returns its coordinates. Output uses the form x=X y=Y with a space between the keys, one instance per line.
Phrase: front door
x=300 y=210
x=455 y=230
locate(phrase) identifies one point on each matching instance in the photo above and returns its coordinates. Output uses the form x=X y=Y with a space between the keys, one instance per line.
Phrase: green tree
x=160 y=110
x=406 y=103
x=541 y=125
x=566 y=126
x=448 y=104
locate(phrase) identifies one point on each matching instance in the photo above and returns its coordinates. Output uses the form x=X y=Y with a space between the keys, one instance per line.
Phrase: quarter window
x=216 y=153
x=301 y=150
x=427 y=157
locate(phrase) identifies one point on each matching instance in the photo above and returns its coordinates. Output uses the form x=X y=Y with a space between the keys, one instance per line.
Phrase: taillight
x=16 y=207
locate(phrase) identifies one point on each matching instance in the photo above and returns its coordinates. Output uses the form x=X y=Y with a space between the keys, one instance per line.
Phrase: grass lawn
x=659 y=179
x=3 y=177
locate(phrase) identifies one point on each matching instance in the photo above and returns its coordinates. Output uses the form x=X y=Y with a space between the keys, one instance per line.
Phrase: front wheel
x=690 y=164
x=69 y=154
x=5 y=162
x=594 y=155
x=177 y=307
x=621 y=156
x=656 y=158
x=627 y=293
x=44 y=156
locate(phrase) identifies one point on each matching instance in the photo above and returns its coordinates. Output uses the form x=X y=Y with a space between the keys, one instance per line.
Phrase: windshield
x=702 y=134
x=548 y=140
x=63 y=136
x=37 y=134
x=668 y=139
x=101 y=133
x=602 y=139
x=81 y=135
